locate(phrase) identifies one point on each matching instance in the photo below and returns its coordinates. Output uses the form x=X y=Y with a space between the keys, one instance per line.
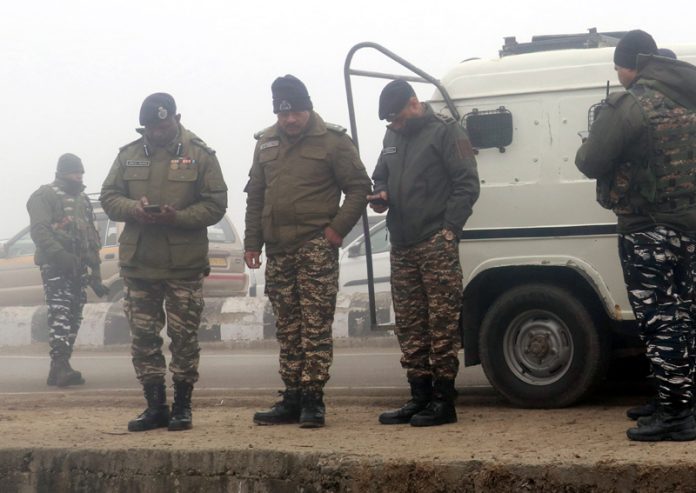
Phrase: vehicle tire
x=540 y=347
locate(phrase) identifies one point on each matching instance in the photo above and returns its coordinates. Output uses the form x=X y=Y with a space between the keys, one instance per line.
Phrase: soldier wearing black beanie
x=640 y=151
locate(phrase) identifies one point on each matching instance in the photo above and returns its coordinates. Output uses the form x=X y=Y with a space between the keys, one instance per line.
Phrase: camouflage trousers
x=302 y=287
x=660 y=269
x=65 y=298
x=149 y=304
x=426 y=282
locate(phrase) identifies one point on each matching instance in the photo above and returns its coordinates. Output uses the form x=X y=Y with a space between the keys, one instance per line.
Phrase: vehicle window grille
x=593 y=112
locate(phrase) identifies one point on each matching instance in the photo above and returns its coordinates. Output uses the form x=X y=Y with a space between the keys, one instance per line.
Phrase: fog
x=75 y=72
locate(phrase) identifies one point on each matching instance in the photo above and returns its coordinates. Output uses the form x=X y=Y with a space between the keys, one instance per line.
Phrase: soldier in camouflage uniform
x=67 y=251
x=301 y=166
x=167 y=187
x=426 y=176
x=642 y=151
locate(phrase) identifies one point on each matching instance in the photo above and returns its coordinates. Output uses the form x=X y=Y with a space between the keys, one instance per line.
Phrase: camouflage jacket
x=294 y=188
x=61 y=222
x=429 y=172
x=620 y=151
x=185 y=175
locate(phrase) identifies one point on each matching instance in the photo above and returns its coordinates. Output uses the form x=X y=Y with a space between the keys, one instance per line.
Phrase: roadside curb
x=222 y=470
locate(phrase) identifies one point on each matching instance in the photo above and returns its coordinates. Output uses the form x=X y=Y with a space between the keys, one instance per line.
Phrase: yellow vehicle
x=20 y=278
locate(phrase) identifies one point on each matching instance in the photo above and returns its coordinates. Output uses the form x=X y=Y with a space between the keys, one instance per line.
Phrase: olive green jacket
x=61 y=222
x=620 y=138
x=185 y=175
x=294 y=188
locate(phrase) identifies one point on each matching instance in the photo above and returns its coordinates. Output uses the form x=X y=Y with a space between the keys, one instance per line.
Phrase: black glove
x=66 y=262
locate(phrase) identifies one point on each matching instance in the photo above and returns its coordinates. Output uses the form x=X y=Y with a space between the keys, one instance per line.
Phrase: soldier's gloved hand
x=66 y=262
x=99 y=289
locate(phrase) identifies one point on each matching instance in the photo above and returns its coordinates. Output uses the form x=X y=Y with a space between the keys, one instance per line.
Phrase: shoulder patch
x=335 y=128
x=445 y=118
x=198 y=142
x=136 y=141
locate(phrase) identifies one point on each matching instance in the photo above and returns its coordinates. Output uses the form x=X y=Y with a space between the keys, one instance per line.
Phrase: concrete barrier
x=224 y=319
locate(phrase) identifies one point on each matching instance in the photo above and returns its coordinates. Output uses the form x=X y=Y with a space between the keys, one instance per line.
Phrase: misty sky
x=75 y=72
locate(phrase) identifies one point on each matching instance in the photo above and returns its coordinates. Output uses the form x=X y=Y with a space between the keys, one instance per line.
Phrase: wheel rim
x=538 y=347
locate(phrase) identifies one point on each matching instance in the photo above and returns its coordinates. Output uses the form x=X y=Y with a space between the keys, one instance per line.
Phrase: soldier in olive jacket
x=301 y=166
x=167 y=187
x=642 y=151
x=67 y=251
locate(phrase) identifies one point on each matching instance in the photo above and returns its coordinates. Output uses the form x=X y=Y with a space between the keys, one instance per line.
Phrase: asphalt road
x=353 y=368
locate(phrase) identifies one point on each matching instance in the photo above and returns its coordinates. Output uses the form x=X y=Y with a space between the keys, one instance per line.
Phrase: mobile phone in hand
x=152 y=208
x=379 y=202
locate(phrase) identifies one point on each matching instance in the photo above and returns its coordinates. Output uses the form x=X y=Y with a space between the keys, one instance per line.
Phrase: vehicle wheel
x=540 y=347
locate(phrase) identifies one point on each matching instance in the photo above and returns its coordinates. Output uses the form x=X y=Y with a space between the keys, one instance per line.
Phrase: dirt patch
x=493 y=447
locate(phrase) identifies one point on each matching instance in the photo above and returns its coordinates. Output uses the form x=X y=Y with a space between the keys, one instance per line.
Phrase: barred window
x=489 y=129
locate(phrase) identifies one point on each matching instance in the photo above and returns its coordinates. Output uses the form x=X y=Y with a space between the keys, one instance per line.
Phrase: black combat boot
x=643 y=410
x=421 y=393
x=677 y=426
x=284 y=411
x=440 y=410
x=181 y=408
x=157 y=413
x=62 y=375
x=313 y=409
x=52 y=372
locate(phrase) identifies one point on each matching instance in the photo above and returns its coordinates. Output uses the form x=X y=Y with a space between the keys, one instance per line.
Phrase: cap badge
x=162 y=112
x=285 y=105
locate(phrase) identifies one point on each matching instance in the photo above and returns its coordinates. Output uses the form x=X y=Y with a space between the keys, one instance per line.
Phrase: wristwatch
x=448 y=234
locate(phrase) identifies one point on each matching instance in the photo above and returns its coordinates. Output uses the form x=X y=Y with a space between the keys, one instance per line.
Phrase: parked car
x=20 y=278
x=353 y=273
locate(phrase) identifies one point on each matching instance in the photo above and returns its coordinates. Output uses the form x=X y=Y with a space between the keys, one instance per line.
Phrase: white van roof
x=559 y=70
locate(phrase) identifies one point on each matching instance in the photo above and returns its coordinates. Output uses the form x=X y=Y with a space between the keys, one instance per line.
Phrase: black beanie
x=633 y=43
x=393 y=98
x=157 y=107
x=290 y=94
x=68 y=164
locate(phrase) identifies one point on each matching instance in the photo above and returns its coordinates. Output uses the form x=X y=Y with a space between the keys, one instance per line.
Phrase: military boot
x=63 y=375
x=181 y=408
x=285 y=411
x=157 y=413
x=643 y=410
x=421 y=393
x=52 y=372
x=440 y=410
x=313 y=409
x=677 y=426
